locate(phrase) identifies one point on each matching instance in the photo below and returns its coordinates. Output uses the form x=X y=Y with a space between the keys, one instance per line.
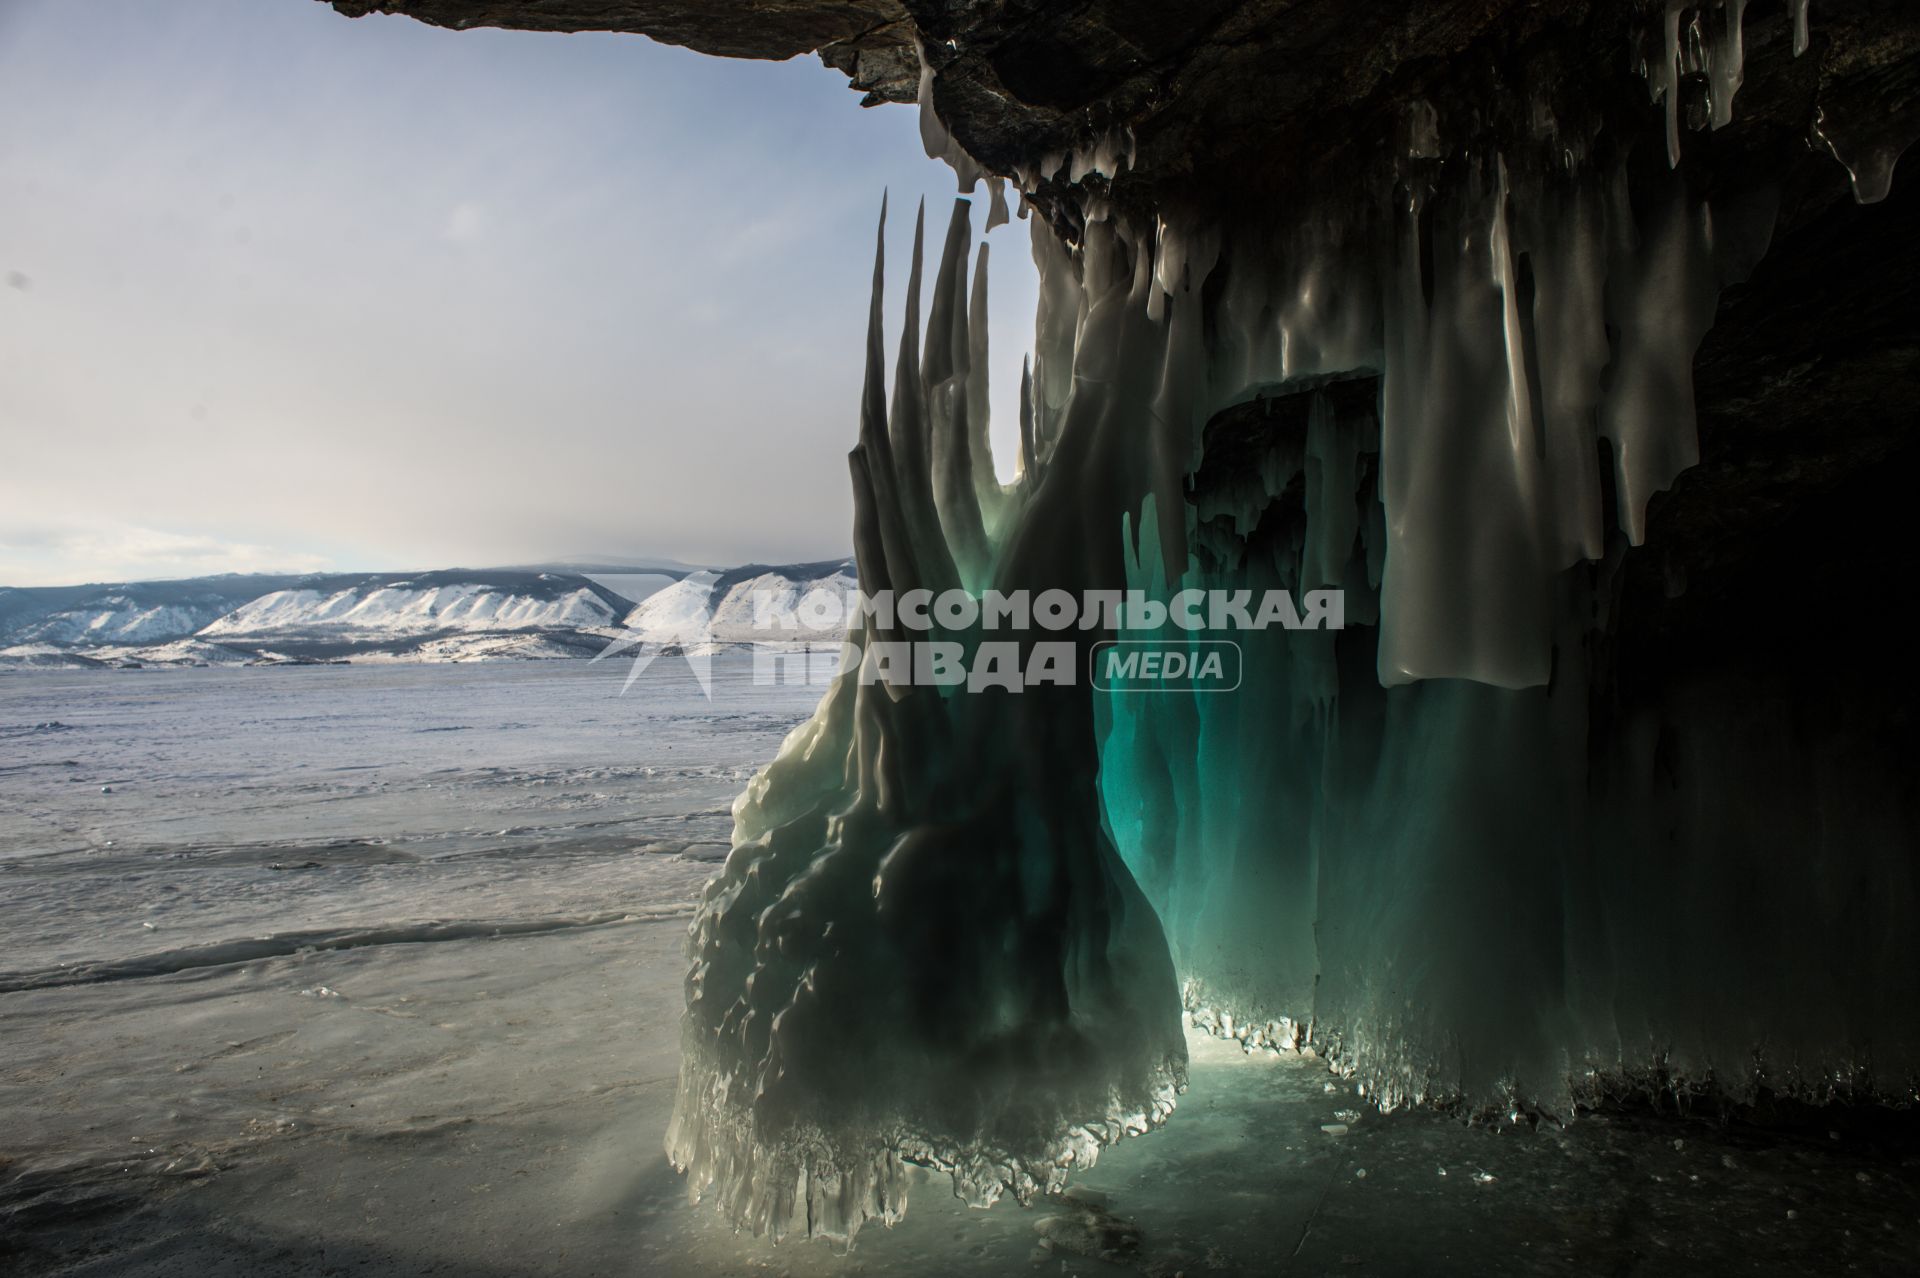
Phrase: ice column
x=924 y=948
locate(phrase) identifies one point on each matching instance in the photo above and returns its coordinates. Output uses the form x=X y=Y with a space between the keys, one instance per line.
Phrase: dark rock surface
x=1248 y=91
x=870 y=40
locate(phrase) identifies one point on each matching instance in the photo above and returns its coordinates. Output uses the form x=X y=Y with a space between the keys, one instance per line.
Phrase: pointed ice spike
x=986 y=484
x=946 y=376
x=873 y=395
x=1027 y=464
x=906 y=429
x=946 y=341
x=1670 y=80
x=891 y=557
x=917 y=551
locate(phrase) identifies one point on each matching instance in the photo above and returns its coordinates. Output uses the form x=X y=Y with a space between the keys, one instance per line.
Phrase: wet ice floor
x=401 y=1093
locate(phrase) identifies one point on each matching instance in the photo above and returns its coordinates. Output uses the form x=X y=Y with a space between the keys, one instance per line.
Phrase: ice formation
x=952 y=842
x=949 y=930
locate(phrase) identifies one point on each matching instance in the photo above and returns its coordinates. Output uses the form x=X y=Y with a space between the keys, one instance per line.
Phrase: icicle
x=1167 y=273
x=1868 y=156
x=938 y=143
x=1463 y=597
x=1113 y=152
x=1422 y=129
x=1665 y=78
x=1057 y=323
x=1663 y=284
x=1332 y=479
x=1563 y=237
x=1180 y=406
x=1799 y=27
x=1727 y=63
x=997 y=195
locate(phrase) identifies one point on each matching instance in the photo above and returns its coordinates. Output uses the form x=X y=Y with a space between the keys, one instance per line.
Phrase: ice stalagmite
x=923 y=947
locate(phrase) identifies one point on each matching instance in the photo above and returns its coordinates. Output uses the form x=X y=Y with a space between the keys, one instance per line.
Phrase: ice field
x=379 y=970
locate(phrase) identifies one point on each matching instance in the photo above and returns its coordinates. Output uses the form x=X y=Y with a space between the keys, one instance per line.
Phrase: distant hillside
x=456 y=614
x=455 y=600
x=447 y=615
x=129 y=612
x=722 y=605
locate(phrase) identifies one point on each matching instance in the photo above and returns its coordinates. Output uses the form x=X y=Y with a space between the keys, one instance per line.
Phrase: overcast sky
x=283 y=290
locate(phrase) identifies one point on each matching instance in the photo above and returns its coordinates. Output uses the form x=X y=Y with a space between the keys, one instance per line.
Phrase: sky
x=285 y=291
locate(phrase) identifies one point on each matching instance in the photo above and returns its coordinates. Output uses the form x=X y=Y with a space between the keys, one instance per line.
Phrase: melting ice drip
x=949 y=929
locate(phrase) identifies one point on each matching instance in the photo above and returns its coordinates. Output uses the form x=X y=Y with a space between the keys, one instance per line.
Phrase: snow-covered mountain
x=451 y=615
x=433 y=603
x=138 y=612
x=448 y=615
x=757 y=603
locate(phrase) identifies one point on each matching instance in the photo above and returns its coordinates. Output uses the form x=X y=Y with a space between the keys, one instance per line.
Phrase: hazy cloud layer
x=284 y=290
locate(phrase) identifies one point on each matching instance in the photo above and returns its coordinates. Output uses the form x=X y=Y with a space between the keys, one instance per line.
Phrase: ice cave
x=1481 y=849
x=1541 y=825
x=1574 y=345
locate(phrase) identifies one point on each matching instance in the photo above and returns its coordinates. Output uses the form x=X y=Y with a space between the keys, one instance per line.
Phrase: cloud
x=506 y=295
x=49 y=555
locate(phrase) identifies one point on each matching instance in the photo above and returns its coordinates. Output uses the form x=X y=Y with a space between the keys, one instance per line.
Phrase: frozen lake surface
x=377 y=970
x=159 y=812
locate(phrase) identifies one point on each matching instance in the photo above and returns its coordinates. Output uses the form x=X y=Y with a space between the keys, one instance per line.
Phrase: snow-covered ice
x=379 y=969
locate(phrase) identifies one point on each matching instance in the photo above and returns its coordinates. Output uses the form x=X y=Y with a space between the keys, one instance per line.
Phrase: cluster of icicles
x=926 y=949
x=1709 y=41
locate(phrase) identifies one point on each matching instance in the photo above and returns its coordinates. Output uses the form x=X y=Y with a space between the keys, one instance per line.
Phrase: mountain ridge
x=448 y=614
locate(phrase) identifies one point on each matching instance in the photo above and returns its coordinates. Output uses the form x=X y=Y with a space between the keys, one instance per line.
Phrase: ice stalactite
x=936 y=140
x=1707 y=41
x=1706 y=44
x=1867 y=151
x=1515 y=899
x=1546 y=303
x=1418 y=845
